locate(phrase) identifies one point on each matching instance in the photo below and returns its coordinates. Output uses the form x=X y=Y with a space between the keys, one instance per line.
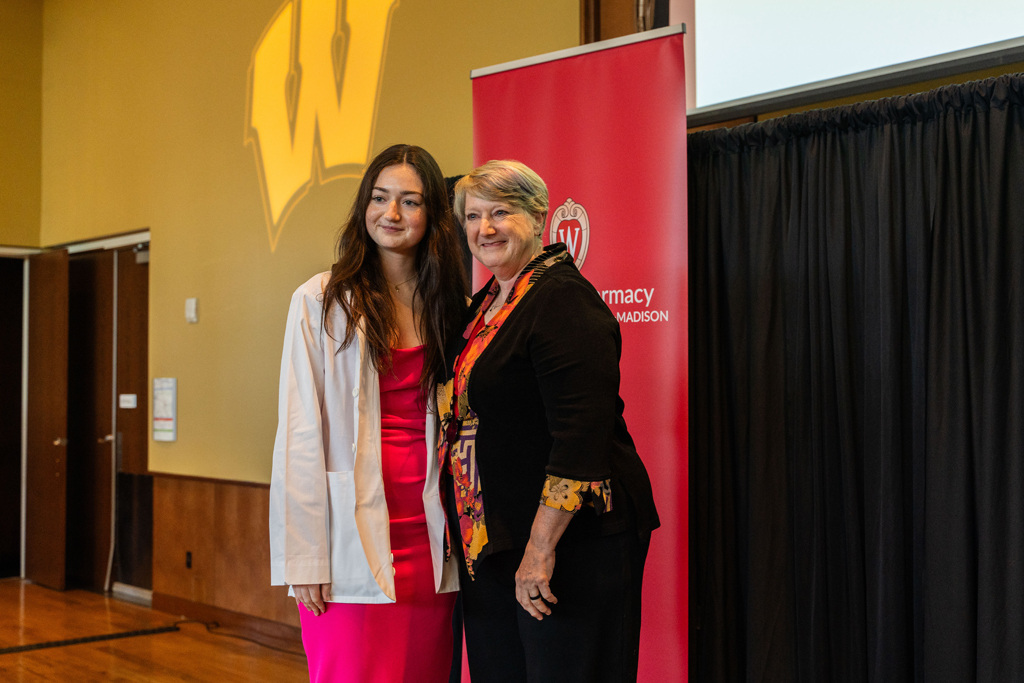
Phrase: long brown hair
x=357 y=281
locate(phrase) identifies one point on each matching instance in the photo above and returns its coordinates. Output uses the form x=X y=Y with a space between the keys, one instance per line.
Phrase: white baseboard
x=140 y=596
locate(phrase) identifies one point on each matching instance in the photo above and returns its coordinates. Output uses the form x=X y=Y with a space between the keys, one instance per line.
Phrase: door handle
x=60 y=442
x=105 y=439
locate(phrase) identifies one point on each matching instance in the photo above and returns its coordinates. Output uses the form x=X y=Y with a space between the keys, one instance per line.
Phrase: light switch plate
x=191 y=310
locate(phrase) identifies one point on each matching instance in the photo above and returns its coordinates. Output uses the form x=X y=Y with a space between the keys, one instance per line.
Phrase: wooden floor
x=31 y=614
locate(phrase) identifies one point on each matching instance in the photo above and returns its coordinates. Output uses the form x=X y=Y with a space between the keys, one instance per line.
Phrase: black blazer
x=546 y=392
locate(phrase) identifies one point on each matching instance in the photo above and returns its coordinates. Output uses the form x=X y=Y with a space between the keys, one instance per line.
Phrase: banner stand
x=604 y=125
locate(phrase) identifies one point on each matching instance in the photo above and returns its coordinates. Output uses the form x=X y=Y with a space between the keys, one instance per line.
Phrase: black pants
x=592 y=634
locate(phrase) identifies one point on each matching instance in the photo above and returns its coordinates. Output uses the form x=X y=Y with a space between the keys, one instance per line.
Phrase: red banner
x=606 y=130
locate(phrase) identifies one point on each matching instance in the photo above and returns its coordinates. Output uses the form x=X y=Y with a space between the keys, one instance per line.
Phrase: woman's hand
x=313 y=595
x=533 y=589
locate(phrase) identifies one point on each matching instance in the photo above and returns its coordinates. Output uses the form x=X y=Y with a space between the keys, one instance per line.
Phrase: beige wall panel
x=21 y=88
x=426 y=98
x=145 y=122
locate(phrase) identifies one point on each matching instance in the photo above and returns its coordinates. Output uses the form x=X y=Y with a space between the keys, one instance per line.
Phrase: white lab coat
x=328 y=515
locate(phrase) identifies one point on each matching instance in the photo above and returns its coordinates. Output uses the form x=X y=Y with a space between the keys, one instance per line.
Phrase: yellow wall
x=144 y=125
x=21 y=66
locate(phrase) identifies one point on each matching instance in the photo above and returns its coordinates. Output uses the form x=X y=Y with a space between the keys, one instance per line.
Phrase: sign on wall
x=314 y=84
x=165 y=409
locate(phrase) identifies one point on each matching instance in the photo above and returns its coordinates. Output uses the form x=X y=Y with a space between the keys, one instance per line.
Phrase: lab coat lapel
x=371 y=514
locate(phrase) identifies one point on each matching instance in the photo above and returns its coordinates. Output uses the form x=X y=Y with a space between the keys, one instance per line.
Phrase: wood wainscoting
x=224 y=526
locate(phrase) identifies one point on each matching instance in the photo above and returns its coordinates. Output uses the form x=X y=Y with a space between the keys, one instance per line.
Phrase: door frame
x=24 y=412
x=22 y=253
x=111 y=242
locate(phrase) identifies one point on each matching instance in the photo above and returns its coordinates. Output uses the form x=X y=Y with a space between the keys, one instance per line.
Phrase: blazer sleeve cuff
x=300 y=571
x=569 y=495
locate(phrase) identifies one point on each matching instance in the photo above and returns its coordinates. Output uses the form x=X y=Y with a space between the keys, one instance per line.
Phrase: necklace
x=403 y=282
x=498 y=302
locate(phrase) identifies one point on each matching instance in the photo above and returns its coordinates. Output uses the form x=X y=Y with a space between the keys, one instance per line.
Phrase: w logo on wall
x=570 y=224
x=314 y=82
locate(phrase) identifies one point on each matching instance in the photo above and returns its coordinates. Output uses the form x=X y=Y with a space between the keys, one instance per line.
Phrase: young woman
x=356 y=519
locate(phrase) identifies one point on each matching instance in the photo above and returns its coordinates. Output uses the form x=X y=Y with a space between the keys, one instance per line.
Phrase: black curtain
x=857 y=392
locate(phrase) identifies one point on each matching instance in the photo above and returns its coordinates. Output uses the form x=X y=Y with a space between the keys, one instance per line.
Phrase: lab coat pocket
x=351 y=578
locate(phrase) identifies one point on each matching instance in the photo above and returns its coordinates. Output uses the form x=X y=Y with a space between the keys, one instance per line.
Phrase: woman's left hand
x=533 y=590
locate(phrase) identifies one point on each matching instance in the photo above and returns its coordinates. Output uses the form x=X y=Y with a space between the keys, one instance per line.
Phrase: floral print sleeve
x=570 y=495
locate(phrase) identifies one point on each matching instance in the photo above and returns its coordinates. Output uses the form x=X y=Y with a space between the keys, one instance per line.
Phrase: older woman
x=543 y=468
x=357 y=525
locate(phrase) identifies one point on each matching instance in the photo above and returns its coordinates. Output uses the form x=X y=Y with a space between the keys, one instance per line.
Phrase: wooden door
x=90 y=461
x=133 y=358
x=133 y=551
x=46 y=498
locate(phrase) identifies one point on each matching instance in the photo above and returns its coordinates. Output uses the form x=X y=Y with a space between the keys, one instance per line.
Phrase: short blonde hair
x=508 y=181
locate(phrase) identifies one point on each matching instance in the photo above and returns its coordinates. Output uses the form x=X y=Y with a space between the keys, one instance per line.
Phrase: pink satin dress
x=409 y=641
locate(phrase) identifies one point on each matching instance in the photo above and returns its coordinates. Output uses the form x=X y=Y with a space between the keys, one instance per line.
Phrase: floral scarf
x=457 y=437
